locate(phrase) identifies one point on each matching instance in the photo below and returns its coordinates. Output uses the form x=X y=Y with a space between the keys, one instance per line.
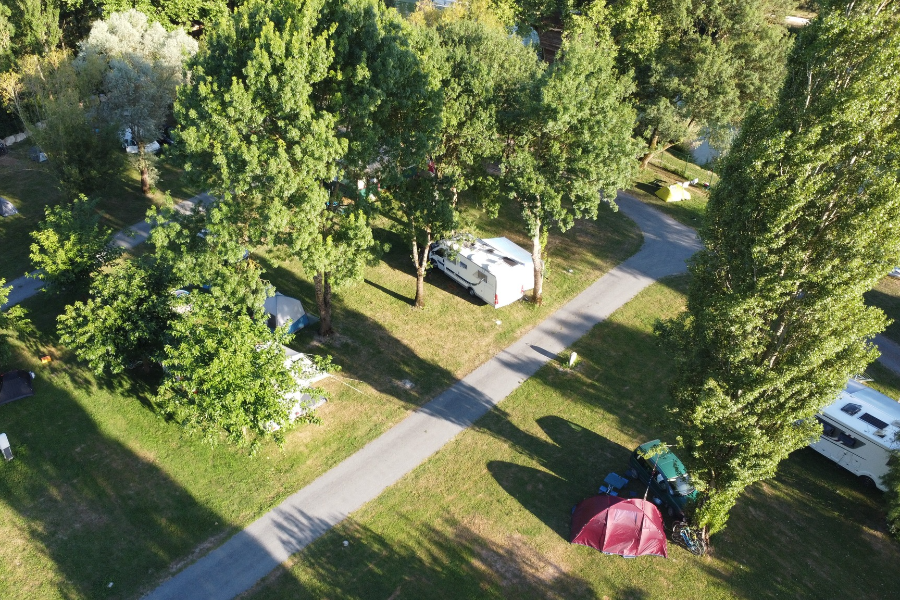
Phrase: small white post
x=572 y=358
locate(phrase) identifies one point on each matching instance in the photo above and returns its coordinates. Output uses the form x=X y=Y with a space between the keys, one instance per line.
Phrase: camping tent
x=673 y=193
x=628 y=527
x=6 y=208
x=282 y=309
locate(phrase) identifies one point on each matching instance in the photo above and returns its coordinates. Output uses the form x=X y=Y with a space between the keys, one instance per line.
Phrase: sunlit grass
x=488 y=516
x=161 y=494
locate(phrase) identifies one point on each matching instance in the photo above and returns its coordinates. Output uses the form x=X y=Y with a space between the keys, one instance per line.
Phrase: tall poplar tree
x=801 y=224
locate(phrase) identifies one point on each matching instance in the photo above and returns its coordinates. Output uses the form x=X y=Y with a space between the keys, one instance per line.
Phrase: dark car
x=16 y=385
x=666 y=476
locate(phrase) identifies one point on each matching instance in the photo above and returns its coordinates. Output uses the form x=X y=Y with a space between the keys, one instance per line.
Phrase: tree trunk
x=145 y=170
x=651 y=148
x=323 y=301
x=536 y=252
x=421 y=265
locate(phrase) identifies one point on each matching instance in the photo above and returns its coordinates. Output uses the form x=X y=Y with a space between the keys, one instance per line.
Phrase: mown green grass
x=102 y=490
x=32 y=187
x=689 y=212
x=886 y=296
x=488 y=516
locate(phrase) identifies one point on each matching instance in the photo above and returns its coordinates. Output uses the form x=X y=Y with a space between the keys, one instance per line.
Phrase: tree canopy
x=569 y=148
x=801 y=224
x=142 y=66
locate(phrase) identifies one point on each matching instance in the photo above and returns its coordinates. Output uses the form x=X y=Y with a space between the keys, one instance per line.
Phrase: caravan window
x=828 y=430
x=441 y=251
x=482 y=276
x=463 y=265
x=849 y=441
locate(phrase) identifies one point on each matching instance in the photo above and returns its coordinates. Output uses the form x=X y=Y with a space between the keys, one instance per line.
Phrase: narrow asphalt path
x=251 y=554
x=27 y=286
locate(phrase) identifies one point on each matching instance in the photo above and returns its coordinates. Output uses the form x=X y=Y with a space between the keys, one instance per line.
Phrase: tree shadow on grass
x=811 y=532
x=444 y=560
x=575 y=461
x=93 y=507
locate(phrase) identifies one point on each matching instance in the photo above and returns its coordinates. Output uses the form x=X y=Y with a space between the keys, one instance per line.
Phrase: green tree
x=892 y=482
x=55 y=101
x=144 y=67
x=34 y=26
x=570 y=147
x=311 y=89
x=126 y=319
x=70 y=244
x=801 y=224
x=226 y=373
x=713 y=60
x=12 y=317
x=478 y=69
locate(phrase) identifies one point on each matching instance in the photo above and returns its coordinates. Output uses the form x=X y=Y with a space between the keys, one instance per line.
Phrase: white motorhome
x=495 y=270
x=858 y=432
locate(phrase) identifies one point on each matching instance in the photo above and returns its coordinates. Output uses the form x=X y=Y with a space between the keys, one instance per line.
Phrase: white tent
x=6 y=208
x=282 y=309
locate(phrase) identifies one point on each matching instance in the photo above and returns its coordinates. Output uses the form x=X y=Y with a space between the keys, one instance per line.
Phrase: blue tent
x=282 y=309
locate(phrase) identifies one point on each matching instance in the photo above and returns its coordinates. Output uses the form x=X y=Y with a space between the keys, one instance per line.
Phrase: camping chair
x=613 y=482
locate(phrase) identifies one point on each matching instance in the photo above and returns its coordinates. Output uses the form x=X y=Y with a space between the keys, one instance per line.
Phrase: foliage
x=800 y=225
x=226 y=373
x=570 y=148
x=314 y=92
x=32 y=27
x=267 y=160
x=143 y=66
x=70 y=244
x=714 y=59
x=10 y=318
x=892 y=482
x=125 y=320
x=54 y=99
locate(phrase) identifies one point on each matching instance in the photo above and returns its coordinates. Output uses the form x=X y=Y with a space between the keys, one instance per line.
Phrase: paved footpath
x=28 y=285
x=251 y=554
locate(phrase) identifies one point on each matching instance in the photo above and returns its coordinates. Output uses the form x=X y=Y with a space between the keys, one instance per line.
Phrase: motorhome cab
x=495 y=270
x=858 y=432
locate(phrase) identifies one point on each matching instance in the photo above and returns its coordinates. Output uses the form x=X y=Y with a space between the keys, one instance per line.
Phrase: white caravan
x=858 y=432
x=495 y=270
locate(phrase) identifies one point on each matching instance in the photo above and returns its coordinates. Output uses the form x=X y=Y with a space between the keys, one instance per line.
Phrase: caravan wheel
x=471 y=292
x=867 y=482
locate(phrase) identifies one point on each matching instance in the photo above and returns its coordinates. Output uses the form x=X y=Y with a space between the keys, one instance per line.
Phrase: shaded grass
x=141 y=495
x=886 y=296
x=488 y=515
x=32 y=187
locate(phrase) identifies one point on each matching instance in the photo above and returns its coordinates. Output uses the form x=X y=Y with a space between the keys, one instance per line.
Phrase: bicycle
x=685 y=535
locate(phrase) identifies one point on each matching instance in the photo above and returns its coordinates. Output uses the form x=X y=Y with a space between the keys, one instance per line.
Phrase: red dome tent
x=628 y=527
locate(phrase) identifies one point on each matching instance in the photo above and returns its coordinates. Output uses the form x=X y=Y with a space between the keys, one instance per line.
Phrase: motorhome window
x=509 y=261
x=851 y=409
x=828 y=430
x=849 y=441
x=463 y=265
x=482 y=276
x=442 y=252
x=878 y=423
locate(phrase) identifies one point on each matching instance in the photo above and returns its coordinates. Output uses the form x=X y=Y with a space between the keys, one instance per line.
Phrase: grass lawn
x=31 y=187
x=886 y=296
x=689 y=212
x=488 y=516
x=102 y=490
